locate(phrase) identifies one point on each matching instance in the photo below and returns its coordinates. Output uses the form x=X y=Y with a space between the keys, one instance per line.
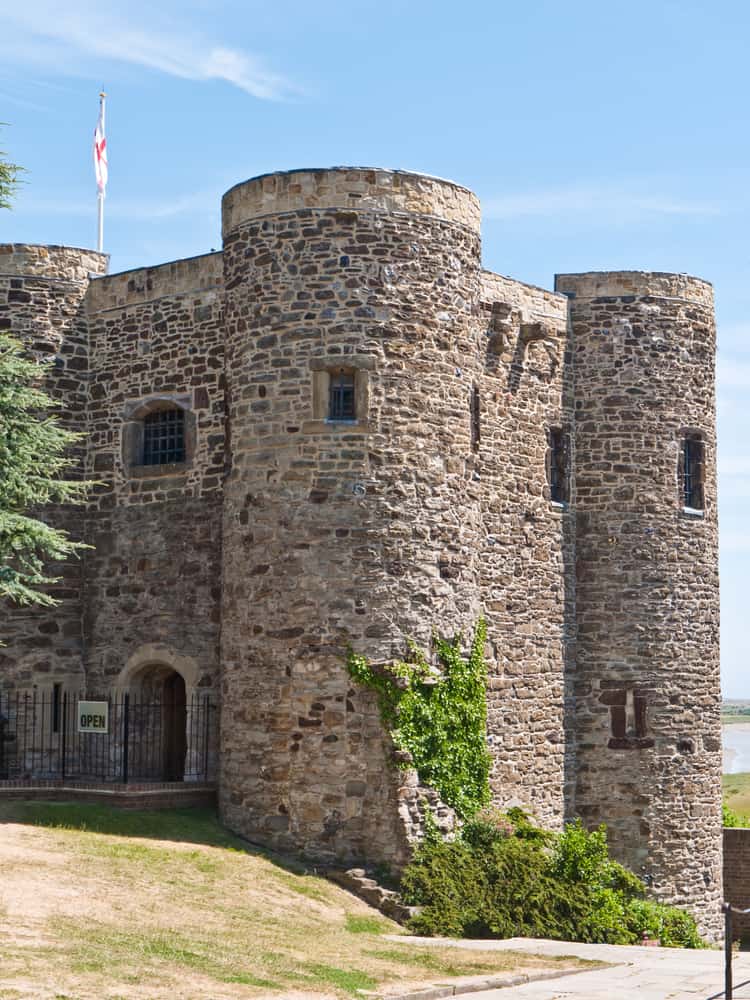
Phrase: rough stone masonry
x=377 y=437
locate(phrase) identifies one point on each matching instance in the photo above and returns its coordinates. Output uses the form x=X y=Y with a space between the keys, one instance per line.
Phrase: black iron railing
x=129 y=739
x=728 y=910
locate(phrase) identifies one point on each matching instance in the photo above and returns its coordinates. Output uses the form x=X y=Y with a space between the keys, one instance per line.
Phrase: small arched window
x=164 y=437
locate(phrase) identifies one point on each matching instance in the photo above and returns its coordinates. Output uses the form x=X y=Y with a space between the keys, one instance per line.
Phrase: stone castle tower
x=378 y=437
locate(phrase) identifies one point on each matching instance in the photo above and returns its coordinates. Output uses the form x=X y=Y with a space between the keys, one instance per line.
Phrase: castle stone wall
x=153 y=577
x=42 y=294
x=334 y=533
x=285 y=538
x=647 y=587
x=527 y=560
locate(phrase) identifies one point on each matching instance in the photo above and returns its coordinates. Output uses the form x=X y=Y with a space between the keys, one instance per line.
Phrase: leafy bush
x=505 y=877
x=729 y=817
x=672 y=927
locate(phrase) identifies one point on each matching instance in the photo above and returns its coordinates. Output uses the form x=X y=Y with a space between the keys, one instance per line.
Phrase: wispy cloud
x=607 y=205
x=21 y=102
x=143 y=210
x=45 y=32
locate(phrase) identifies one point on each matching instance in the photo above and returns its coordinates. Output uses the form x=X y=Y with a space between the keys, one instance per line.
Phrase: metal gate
x=146 y=739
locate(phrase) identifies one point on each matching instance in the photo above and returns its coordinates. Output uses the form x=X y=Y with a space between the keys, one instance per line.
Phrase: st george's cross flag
x=100 y=153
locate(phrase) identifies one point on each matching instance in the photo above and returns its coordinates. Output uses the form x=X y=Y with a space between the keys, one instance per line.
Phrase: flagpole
x=100 y=198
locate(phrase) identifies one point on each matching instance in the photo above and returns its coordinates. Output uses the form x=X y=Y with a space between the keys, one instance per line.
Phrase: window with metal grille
x=691 y=472
x=557 y=471
x=341 y=405
x=164 y=437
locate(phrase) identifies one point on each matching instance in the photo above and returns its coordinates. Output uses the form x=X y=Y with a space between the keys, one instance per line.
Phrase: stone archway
x=151 y=654
x=161 y=686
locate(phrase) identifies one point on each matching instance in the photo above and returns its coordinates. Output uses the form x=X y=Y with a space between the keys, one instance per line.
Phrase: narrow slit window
x=164 y=437
x=628 y=719
x=341 y=404
x=558 y=472
x=476 y=429
x=691 y=462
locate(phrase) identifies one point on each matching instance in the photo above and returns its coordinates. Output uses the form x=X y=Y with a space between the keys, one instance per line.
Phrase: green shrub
x=486 y=828
x=672 y=927
x=501 y=890
x=583 y=857
x=729 y=817
x=504 y=877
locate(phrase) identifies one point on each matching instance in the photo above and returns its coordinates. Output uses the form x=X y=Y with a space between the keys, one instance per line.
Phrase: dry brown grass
x=98 y=903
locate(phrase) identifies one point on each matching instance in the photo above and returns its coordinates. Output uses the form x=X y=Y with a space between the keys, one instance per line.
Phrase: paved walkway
x=636 y=973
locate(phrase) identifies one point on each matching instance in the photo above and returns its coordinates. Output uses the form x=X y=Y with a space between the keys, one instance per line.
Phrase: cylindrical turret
x=42 y=291
x=647 y=691
x=351 y=512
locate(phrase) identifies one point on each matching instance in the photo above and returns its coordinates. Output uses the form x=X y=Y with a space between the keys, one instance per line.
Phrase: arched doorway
x=173 y=724
x=158 y=719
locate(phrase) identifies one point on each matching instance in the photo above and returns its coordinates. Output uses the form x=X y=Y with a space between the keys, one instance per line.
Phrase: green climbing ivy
x=438 y=716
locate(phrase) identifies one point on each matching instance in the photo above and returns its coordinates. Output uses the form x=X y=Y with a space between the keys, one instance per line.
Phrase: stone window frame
x=551 y=432
x=133 y=431
x=696 y=435
x=322 y=368
x=628 y=718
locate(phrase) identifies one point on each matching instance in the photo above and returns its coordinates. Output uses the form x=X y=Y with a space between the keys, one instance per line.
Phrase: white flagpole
x=100 y=198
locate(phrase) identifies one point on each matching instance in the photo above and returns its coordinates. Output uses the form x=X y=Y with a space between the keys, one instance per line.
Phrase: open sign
x=93 y=717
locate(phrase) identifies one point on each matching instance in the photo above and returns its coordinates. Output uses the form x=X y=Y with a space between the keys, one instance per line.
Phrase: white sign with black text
x=93 y=717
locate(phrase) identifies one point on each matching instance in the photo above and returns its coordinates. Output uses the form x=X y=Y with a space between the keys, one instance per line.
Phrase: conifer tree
x=9 y=179
x=33 y=463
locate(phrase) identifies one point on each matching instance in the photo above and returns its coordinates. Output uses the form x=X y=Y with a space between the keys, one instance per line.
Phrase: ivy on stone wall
x=438 y=715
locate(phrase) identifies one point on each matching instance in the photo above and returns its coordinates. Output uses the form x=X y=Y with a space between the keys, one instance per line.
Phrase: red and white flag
x=100 y=152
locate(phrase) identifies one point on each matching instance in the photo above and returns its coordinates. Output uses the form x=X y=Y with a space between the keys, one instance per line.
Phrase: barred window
x=341 y=399
x=164 y=437
x=691 y=472
x=557 y=466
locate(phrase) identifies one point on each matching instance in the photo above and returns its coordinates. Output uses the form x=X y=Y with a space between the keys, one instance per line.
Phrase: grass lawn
x=736 y=789
x=732 y=718
x=104 y=903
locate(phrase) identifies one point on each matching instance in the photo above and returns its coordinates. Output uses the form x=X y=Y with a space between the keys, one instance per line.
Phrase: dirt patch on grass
x=185 y=911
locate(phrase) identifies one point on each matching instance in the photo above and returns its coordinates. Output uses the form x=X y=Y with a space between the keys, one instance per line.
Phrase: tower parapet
x=363 y=189
x=647 y=696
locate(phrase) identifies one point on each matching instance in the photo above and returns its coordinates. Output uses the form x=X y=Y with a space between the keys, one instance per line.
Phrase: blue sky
x=598 y=136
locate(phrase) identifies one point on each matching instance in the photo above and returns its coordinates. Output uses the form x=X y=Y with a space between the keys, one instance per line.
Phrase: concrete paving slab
x=634 y=972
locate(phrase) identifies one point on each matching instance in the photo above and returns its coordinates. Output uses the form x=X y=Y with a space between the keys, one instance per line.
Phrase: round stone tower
x=647 y=694
x=352 y=309
x=42 y=304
